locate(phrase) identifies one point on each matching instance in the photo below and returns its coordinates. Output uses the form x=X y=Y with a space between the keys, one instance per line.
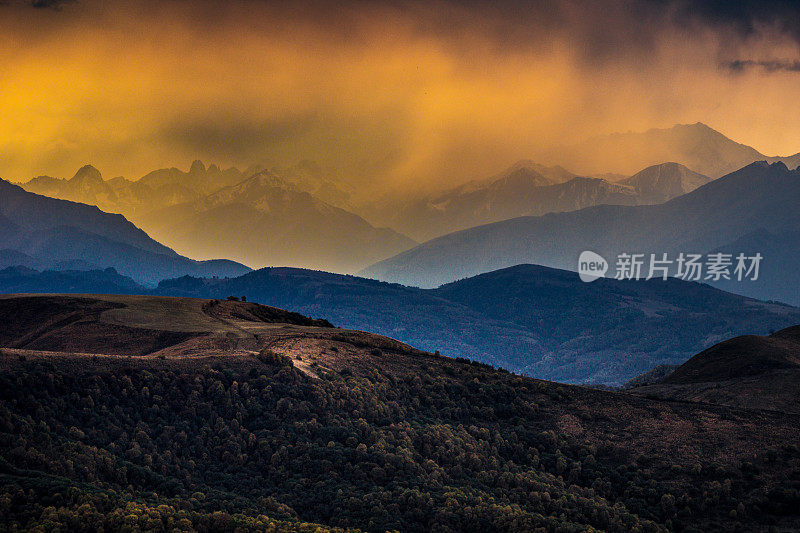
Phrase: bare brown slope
x=136 y=325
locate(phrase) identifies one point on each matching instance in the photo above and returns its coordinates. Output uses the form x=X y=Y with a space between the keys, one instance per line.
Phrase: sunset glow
x=395 y=94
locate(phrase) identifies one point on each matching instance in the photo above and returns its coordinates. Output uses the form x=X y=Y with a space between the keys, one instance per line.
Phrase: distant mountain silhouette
x=749 y=371
x=265 y=220
x=302 y=223
x=527 y=188
x=759 y=196
x=157 y=189
x=25 y=280
x=50 y=233
x=696 y=146
x=170 y=186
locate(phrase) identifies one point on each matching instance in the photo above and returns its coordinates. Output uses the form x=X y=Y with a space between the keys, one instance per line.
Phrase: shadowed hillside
x=536 y=320
x=540 y=321
x=749 y=371
x=240 y=422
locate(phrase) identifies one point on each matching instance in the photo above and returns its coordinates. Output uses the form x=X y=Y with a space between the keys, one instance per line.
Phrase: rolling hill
x=757 y=198
x=43 y=232
x=535 y=320
x=175 y=413
x=750 y=371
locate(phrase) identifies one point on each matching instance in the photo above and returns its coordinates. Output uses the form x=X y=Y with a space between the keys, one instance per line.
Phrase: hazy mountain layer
x=171 y=186
x=261 y=218
x=530 y=189
x=757 y=197
x=696 y=146
x=264 y=220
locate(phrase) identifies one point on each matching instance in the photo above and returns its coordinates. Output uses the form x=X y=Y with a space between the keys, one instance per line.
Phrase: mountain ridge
x=58 y=233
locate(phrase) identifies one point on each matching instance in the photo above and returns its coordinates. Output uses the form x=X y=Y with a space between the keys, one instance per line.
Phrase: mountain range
x=41 y=232
x=264 y=220
x=527 y=188
x=257 y=217
x=753 y=206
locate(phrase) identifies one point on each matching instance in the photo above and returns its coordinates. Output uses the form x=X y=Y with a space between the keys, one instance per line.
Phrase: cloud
x=50 y=4
x=396 y=92
x=774 y=65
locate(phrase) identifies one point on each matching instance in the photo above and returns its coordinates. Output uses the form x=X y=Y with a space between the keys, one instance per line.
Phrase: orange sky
x=410 y=95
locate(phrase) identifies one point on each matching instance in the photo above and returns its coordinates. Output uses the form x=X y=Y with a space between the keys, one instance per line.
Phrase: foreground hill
x=696 y=146
x=535 y=320
x=41 y=232
x=757 y=198
x=239 y=416
x=749 y=371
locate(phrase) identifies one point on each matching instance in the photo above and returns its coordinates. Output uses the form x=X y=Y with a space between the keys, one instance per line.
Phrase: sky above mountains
x=401 y=94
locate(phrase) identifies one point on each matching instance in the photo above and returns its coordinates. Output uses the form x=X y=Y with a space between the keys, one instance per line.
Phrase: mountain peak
x=88 y=174
x=779 y=166
x=522 y=176
x=197 y=167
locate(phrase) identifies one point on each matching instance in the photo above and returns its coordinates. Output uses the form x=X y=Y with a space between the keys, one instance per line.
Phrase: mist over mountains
x=696 y=146
x=254 y=216
x=265 y=220
x=527 y=189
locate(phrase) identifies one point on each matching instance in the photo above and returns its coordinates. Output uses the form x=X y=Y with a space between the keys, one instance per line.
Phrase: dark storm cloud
x=742 y=65
x=236 y=138
x=49 y=4
x=603 y=29
x=398 y=91
x=746 y=16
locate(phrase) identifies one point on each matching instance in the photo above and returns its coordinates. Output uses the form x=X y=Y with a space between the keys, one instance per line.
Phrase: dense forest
x=393 y=440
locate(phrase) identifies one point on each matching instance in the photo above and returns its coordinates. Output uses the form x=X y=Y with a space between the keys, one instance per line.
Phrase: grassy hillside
x=251 y=420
